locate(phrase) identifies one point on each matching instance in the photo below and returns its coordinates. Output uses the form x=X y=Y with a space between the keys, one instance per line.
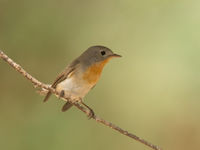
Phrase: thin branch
x=37 y=83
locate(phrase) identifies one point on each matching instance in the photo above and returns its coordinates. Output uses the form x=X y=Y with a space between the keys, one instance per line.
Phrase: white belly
x=73 y=89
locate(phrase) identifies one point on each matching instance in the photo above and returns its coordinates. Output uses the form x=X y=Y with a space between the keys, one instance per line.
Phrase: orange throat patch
x=93 y=73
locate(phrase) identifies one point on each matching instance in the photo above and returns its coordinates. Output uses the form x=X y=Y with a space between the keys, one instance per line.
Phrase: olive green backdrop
x=152 y=91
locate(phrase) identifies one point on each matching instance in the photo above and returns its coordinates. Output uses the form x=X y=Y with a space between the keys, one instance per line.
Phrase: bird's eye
x=103 y=53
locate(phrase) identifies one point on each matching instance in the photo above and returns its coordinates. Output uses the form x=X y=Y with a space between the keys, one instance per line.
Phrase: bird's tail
x=67 y=106
x=47 y=96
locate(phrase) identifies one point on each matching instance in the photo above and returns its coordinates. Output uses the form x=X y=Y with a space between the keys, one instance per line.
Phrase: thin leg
x=91 y=114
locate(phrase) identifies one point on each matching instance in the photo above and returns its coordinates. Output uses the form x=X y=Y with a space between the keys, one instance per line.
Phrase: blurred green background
x=152 y=91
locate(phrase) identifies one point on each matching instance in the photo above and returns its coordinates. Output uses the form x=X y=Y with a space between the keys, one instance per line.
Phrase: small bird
x=81 y=75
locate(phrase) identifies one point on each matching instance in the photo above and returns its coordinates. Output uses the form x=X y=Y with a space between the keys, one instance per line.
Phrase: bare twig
x=37 y=83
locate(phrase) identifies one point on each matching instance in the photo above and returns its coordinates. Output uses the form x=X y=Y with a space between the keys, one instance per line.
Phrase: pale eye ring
x=103 y=53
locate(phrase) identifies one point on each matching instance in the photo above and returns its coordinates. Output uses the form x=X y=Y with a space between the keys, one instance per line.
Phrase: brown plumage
x=81 y=75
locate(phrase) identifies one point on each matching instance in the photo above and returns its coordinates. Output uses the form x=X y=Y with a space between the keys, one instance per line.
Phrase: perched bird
x=81 y=75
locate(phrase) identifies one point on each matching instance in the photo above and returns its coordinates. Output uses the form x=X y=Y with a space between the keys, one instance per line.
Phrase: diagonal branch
x=37 y=83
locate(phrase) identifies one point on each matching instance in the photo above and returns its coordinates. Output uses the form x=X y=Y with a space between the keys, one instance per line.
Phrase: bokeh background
x=152 y=91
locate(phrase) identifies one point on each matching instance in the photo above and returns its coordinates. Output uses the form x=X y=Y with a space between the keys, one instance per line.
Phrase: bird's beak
x=115 y=55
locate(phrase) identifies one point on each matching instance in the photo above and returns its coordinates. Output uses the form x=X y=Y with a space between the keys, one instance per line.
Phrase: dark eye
x=103 y=53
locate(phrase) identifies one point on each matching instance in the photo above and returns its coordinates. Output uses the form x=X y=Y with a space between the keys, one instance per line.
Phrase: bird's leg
x=91 y=113
x=62 y=94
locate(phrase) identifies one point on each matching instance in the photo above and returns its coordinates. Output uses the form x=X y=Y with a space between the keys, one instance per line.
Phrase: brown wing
x=64 y=75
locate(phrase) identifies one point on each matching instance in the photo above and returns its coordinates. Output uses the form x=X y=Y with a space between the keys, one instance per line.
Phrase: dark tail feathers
x=47 y=96
x=67 y=106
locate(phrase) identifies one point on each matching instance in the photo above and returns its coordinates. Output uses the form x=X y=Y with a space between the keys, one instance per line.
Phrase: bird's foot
x=91 y=114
